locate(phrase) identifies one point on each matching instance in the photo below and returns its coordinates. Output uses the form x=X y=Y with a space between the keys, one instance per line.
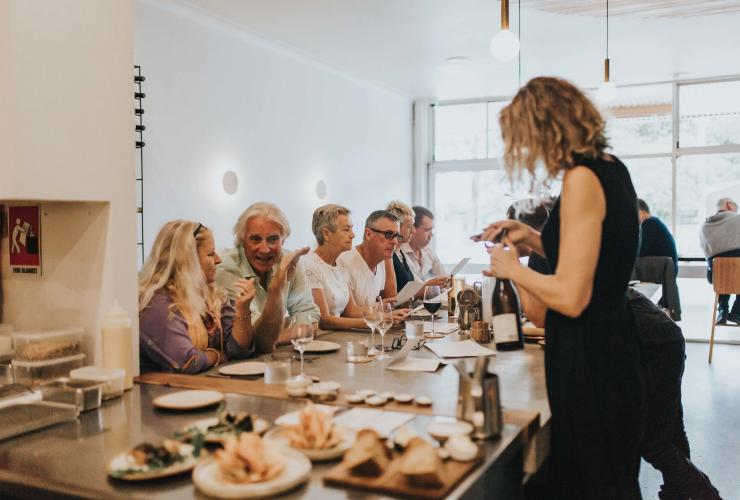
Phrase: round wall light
x=321 y=189
x=230 y=182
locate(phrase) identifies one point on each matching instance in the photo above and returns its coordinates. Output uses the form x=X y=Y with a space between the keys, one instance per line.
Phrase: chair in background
x=725 y=281
x=661 y=270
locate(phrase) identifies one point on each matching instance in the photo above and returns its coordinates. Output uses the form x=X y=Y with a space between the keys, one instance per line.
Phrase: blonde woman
x=186 y=322
x=593 y=362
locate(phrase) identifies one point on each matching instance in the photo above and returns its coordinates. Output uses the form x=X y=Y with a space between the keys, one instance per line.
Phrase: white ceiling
x=401 y=45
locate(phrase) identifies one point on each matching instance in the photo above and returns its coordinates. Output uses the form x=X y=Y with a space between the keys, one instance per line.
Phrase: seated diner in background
x=187 y=324
x=655 y=238
x=280 y=286
x=329 y=282
x=424 y=263
x=368 y=265
x=720 y=237
x=401 y=267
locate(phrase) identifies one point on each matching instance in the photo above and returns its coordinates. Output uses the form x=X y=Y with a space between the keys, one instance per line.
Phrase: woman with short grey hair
x=332 y=227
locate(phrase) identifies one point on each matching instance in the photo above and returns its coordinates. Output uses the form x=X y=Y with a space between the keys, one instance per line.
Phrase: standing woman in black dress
x=593 y=361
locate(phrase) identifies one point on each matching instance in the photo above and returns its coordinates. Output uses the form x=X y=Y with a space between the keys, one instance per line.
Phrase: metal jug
x=478 y=399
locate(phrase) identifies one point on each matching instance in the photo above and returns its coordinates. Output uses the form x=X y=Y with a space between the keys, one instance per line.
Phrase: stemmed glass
x=386 y=321
x=301 y=334
x=371 y=314
x=432 y=303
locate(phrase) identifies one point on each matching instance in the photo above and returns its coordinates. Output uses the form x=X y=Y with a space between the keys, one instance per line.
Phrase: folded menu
x=461 y=349
x=403 y=362
x=440 y=327
x=408 y=292
x=383 y=422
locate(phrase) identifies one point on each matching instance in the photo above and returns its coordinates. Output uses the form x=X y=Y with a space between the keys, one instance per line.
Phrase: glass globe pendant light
x=505 y=45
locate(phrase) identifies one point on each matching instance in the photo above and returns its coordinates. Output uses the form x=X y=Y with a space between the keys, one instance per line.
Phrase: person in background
x=369 y=265
x=422 y=260
x=400 y=262
x=280 y=282
x=186 y=322
x=655 y=238
x=594 y=368
x=329 y=282
x=720 y=237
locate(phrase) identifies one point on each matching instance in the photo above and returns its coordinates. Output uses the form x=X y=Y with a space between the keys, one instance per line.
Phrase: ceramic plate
x=207 y=477
x=280 y=436
x=260 y=425
x=188 y=400
x=443 y=429
x=246 y=368
x=122 y=468
x=321 y=346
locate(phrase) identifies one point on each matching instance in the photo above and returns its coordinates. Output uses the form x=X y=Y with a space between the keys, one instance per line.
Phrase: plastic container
x=44 y=346
x=112 y=377
x=117 y=343
x=6 y=341
x=85 y=394
x=37 y=372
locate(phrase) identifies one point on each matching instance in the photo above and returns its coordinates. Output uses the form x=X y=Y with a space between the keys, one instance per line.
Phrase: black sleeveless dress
x=593 y=363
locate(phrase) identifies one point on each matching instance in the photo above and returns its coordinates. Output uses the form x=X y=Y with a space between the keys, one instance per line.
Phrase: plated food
x=149 y=461
x=226 y=425
x=315 y=435
x=368 y=456
x=420 y=464
x=251 y=467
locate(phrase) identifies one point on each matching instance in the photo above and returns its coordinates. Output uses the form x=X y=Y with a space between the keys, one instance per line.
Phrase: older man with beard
x=280 y=282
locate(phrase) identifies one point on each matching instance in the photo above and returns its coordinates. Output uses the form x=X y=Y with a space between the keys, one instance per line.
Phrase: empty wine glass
x=301 y=334
x=371 y=315
x=386 y=321
x=432 y=303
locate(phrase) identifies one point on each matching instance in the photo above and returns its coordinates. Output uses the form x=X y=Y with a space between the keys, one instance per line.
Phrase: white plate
x=208 y=478
x=279 y=435
x=187 y=400
x=260 y=426
x=246 y=368
x=320 y=346
x=443 y=429
x=142 y=473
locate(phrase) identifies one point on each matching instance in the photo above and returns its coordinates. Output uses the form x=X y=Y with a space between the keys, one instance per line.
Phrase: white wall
x=220 y=99
x=66 y=135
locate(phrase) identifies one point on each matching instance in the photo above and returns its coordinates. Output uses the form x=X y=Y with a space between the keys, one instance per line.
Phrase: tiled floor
x=711 y=398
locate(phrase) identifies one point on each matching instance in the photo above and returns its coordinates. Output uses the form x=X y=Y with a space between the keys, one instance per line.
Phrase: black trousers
x=724 y=300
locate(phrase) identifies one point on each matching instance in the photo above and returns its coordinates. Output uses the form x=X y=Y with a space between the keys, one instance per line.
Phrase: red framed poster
x=24 y=230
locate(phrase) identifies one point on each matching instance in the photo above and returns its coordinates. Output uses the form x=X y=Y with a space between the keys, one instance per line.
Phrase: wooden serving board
x=393 y=483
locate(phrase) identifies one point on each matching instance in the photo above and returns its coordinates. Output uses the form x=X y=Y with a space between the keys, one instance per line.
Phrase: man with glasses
x=369 y=265
x=422 y=260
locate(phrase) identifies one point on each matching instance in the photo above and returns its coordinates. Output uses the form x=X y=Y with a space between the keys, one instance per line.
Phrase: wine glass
x=432 y=303
x=371 y=315
x=386 y=321
x=301 y=334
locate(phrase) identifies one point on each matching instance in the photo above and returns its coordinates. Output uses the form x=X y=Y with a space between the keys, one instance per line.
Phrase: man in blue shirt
x=655 y=238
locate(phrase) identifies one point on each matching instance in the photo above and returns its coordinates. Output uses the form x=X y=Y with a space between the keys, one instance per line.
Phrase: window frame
x=434 y=166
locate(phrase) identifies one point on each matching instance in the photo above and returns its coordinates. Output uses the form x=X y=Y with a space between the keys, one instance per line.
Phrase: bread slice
x=421 y=465
x=368 y=456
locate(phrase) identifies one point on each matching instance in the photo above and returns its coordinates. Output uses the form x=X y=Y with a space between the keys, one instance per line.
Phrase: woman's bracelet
x=244 y=316
x=218 y=355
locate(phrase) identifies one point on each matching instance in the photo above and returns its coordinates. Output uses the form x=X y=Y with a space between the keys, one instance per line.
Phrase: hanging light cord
x=607 y=29
x=519 y=24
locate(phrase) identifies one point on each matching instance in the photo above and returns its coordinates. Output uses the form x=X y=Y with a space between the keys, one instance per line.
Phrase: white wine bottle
x=507 y=314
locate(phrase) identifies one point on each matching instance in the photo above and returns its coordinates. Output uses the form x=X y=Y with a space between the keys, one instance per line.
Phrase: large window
x=680 y=172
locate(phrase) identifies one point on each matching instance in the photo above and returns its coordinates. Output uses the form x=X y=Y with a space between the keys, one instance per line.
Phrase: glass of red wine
x=432 y=303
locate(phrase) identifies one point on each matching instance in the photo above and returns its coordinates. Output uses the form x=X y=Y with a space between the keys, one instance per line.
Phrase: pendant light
x=505 y=45
x=607 y=90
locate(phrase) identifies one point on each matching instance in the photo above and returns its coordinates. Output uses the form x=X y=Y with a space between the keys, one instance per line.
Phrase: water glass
x=357 y=351
x=277 y=368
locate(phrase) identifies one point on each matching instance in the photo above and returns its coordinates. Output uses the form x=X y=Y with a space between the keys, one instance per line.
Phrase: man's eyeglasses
x=388 y=235
x=400 y=341
x=198 y=229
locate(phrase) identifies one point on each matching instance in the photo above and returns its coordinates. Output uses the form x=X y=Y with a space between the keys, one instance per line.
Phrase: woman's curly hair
x=552 y=120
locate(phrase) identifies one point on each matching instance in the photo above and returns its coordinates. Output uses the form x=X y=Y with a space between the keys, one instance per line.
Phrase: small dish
x=403 y=399
x=248 y=368
x=355 y=398
x=366 y=393
x=124 y=468
x=375 y=400
x=423 y=401
x=441 y=430
x=187 y=400
x=387 y=395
